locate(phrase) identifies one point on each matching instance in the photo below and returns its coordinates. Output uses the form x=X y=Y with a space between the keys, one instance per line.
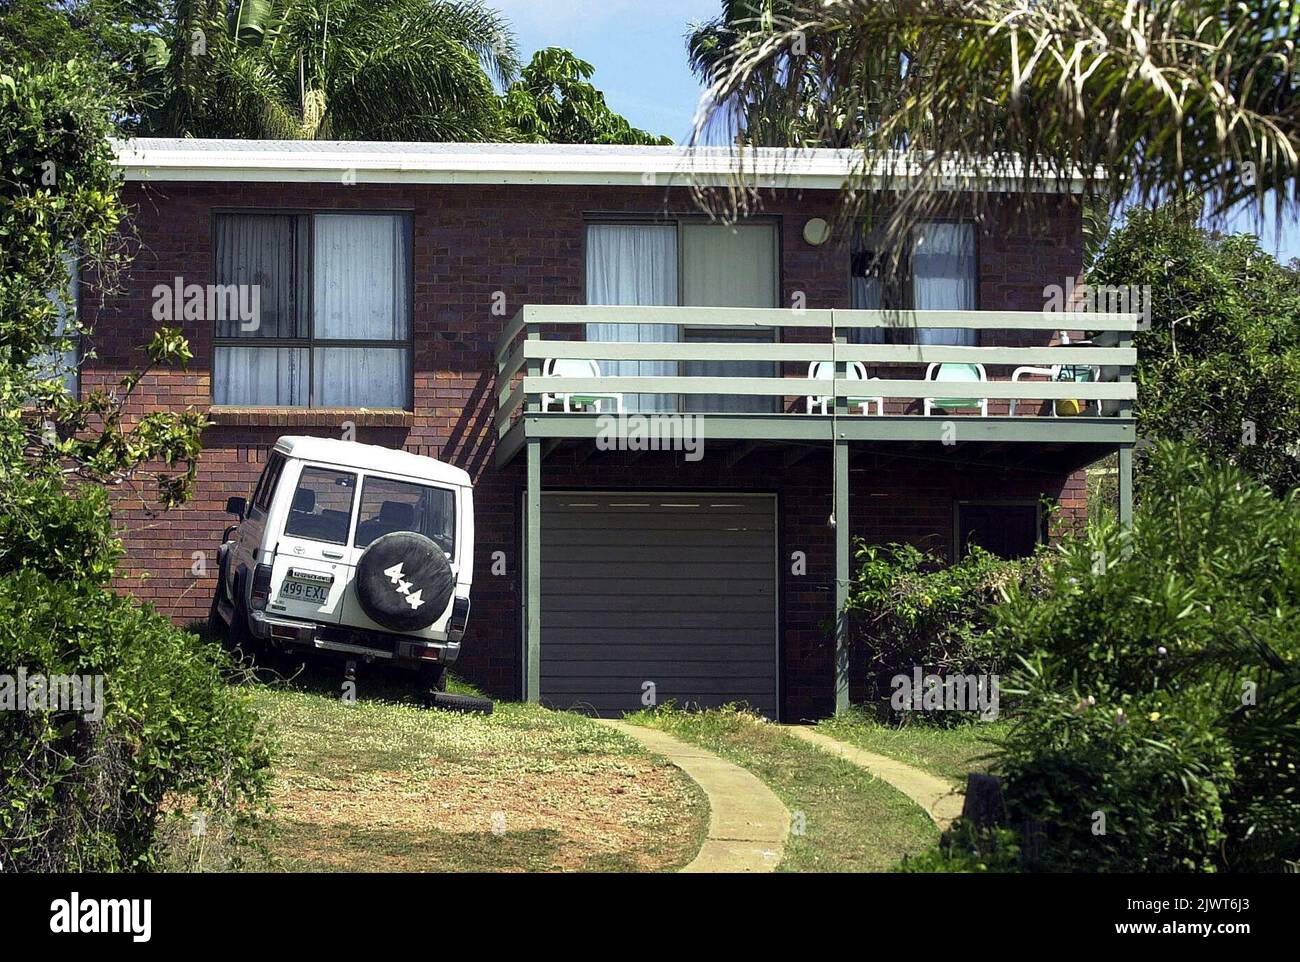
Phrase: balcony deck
x=540 y=333
x=790 y=341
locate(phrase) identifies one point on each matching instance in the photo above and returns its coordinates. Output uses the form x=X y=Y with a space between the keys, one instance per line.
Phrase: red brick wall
x=470 y=242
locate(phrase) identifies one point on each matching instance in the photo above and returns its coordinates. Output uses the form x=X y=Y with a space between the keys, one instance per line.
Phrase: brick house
x=441 y=299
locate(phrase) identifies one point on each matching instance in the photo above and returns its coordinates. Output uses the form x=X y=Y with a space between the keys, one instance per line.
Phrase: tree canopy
x=553 y=101
x=417 y=70
x=1220 y=364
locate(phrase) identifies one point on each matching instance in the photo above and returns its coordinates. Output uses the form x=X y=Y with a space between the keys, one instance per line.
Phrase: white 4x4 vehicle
x=353 y=549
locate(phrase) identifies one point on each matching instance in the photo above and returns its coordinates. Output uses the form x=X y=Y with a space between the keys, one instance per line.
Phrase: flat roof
x=353 y=454
x=384 y=162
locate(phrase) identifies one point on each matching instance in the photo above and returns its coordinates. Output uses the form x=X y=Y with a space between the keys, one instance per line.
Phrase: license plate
x=302 y=591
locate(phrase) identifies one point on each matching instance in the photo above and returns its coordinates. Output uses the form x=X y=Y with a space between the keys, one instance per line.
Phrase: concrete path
x=940 y=798
x=747 y=822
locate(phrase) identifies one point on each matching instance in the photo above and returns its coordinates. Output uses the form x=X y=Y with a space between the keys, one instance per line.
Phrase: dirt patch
x=608 y=806
x=376 y=786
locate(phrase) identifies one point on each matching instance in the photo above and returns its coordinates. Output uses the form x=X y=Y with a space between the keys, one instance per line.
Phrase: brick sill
x=310 y=417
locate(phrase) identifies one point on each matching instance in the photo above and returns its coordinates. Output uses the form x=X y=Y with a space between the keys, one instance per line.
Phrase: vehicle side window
x=388 y=506
x=267 y=482
x=322 y=505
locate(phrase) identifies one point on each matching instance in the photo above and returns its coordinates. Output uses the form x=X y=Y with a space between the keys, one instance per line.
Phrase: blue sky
x=638 y=49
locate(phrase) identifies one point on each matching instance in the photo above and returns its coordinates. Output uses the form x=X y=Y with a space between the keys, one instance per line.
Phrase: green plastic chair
x=960 y=374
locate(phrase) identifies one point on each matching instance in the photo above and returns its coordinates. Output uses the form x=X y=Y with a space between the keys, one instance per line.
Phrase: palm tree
x=806 y=91
x=331 y=69
x=1144 y=100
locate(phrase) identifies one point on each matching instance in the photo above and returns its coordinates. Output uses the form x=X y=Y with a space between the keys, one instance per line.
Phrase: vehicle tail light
x=261 y=587
x=459 y=618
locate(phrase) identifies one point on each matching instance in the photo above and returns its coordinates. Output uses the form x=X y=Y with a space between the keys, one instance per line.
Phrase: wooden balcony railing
x=792 y=340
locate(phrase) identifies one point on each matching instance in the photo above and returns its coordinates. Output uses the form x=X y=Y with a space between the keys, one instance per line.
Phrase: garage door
x=669 y=594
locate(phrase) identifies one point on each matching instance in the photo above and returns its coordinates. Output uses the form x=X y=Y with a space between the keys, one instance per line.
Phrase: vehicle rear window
x=321 y=509
x=388 y=506
x=267 y=482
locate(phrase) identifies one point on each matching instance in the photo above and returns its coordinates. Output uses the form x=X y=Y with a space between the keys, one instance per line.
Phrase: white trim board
x=287 y=161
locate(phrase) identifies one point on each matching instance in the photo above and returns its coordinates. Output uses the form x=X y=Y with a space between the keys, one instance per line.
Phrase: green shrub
x=966 y=849
x=1156 y=717
x=84 y=793
x=83 y=786
x=911 y=609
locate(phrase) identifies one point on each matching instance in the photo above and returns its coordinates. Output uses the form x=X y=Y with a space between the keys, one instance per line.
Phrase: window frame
x=597 y=218
x=311 y=343
x=1040 y=518
x=367 y=476
x=352 y=503
x=677 y=221
x=903 y=284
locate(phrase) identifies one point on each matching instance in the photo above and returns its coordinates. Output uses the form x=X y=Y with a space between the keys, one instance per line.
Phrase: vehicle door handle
x=332 y=554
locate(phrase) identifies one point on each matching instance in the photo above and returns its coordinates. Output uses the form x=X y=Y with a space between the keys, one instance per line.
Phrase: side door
x=313 y=509
x=246 y=541
x=391 y=503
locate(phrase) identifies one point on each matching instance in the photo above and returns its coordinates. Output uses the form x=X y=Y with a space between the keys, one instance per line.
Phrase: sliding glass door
x=634 y=264
x=690 y=263
x=725 y=266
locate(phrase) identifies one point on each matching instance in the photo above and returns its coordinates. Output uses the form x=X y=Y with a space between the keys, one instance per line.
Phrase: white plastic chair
x=959 y=374
x=854 y=371
x=574 y=367
x=1059 y=373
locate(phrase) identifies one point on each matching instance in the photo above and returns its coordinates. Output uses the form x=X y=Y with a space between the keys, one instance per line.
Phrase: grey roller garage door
x=674 y=591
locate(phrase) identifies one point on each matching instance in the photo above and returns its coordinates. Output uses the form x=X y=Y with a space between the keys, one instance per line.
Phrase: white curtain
x=259 y=376
x=362 y=277
x=866 y=290
x=347 y=377
x=634 y=264
x=725 y=266
x=944 y=277
x=269 y=252
x=362 y=291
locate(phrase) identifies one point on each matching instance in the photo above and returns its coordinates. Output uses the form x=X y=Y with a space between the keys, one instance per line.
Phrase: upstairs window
x=333 y=325
x=938 y=272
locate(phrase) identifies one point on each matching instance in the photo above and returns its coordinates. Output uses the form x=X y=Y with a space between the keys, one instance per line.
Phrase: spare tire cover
x=404 y=581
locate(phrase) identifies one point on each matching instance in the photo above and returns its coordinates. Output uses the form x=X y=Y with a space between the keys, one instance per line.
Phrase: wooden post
x=841 y=574
x=1126 y=452
x=1126 y=485
x=841 y=538
x=533 y=542
x=533 y=574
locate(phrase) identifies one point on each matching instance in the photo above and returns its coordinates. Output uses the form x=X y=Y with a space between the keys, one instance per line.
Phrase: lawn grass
x=843 y=819
x=950 y=753
x=384 y=784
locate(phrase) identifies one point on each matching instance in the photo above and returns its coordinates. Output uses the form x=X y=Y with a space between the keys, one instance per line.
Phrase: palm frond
x=1149 y=99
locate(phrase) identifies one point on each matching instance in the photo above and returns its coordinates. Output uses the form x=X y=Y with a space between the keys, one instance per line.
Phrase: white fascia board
x=658 y=166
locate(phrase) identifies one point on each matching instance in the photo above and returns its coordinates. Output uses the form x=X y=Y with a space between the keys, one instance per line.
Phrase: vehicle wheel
x=433 y=678
x=466 y=703
x=241 y=636
x=217 y=627
x=404 y=581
